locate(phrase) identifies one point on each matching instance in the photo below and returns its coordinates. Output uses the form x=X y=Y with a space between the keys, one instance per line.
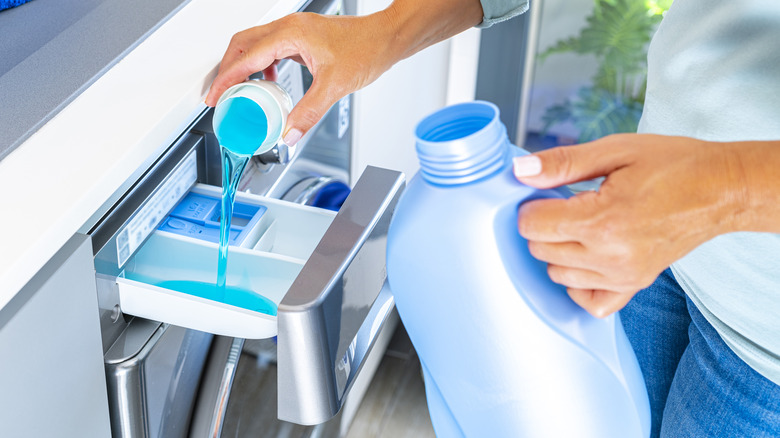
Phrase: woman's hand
x=343 y=53
x=662 y=197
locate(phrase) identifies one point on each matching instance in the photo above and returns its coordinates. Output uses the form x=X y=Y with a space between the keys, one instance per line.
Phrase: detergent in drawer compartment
x=283 y=228
x=171 y=278
x=198 y=216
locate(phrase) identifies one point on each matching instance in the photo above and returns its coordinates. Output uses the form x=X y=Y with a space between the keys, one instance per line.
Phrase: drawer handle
x=331 y=315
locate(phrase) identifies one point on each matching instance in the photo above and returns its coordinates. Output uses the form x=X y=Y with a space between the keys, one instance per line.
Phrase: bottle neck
x=461 y=143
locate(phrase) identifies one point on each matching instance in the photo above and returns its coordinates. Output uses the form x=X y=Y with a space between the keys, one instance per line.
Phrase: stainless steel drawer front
x=329 y=318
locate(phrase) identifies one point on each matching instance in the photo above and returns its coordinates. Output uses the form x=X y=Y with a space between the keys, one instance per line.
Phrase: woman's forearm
x=343 y=53
x=419 y=24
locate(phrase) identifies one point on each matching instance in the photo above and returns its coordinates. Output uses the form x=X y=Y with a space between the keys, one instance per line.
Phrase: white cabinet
x=387 y=111
x=52 y=381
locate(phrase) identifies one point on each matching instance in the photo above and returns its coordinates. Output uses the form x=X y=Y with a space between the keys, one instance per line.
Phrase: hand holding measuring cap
x=340 y=52
x=343 y=53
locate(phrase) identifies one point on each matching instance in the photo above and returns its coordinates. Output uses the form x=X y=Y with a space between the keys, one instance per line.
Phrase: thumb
x=309 y=110
x=569 y=164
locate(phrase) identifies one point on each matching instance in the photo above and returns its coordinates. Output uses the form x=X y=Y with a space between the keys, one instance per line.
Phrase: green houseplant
x=617 y=33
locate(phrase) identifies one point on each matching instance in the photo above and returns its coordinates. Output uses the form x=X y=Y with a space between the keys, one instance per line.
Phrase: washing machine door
x=324 y=192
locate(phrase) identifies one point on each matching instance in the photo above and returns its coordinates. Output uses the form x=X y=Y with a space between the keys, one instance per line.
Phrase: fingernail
x=527 y=165
x=292 y=136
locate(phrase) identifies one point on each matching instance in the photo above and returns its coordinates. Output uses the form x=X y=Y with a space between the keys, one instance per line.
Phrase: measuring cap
x=249 y=117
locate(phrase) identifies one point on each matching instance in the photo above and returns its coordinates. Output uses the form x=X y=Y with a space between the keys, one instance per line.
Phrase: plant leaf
x=598 y=113
x=562 y=46
x=556 y=114
x=617 y=30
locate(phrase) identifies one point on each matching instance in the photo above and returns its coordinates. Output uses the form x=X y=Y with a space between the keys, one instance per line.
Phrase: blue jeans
x=697 y=386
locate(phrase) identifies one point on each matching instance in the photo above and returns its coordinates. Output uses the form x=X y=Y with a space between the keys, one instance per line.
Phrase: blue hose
x=7 y=4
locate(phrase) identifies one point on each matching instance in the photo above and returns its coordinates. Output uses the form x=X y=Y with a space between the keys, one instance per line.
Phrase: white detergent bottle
x=505 y=352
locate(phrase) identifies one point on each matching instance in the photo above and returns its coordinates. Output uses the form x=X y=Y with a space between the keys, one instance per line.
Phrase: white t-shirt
x=714 y=74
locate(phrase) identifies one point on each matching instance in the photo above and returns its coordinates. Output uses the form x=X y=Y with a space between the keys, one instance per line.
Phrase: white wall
x=463 y=66
x=387 y=111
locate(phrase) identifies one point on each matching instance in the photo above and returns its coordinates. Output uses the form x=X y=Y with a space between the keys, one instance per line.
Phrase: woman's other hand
x=661 y=198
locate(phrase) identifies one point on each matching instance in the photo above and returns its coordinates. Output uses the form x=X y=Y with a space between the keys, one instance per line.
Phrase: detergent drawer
x=295 y=259
x=171 y=277
x=319 y=279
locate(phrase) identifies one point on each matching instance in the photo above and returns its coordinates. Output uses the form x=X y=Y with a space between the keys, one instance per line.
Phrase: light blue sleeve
x=496 y=11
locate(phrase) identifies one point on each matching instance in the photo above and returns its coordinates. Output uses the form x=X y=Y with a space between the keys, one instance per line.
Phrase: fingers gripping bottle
x=505 y=352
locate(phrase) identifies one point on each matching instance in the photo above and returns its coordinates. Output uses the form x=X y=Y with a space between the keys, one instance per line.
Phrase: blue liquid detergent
x=233 y=166
x=241 y=131
x=226 y=294
x=244 y=127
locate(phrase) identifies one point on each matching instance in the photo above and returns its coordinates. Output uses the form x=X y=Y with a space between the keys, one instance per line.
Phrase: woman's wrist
x=745 y=179
x=753 y=172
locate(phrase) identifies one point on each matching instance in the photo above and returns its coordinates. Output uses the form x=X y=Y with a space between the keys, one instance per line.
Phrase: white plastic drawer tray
x=279 y=245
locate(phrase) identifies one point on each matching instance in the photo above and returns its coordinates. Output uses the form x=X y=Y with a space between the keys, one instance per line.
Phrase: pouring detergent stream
x=240 y=133
x=248 y=120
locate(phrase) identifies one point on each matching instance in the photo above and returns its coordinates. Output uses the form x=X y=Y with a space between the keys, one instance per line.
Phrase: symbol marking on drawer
x=145 y=220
